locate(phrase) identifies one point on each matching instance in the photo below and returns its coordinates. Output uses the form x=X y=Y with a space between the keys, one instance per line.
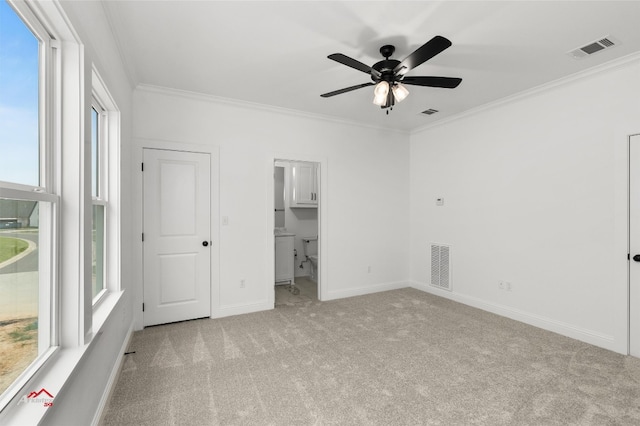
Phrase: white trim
x=241 y=308
x=585 y=335
x=323 y=228
x=27 y=376
x=361 y=291
x=108 y=179
x=47 y=197
x=139 y=145
x=57 y=372
x=617 y=63
x=257 y=106
x=18 y=194
x=113 y=379
x=627 y=233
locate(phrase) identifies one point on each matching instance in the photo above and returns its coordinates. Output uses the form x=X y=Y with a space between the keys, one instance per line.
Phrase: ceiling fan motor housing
x=385 y=67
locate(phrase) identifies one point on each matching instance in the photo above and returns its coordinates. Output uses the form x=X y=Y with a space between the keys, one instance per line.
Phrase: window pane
x=98 y=249
x=19 y=141
x=95 y=153
x=19 y=242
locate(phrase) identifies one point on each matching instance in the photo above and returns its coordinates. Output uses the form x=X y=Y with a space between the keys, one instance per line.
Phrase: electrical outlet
x=242 y=283
x=501 y=285
x=507 y=285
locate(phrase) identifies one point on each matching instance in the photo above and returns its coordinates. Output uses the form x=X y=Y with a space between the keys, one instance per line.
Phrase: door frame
x=137 y=266
x=631 y=331
x=323 y=247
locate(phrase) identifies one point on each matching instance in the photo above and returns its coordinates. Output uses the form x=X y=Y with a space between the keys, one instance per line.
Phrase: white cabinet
x=284 y=259
x=304 y=185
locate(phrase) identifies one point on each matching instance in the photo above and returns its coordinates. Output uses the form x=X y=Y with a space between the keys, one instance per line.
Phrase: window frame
x=69 y=83
x=100 y=199
x=108 y=183
x=46 y=193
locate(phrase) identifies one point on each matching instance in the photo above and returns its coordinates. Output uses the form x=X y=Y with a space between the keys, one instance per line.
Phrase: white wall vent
x=441 y=266
x=594 y=47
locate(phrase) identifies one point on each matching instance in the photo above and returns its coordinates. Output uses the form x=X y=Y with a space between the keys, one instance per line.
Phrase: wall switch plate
x=440 y=201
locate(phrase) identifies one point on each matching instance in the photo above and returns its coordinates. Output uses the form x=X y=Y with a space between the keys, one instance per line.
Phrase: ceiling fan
x=389 y=77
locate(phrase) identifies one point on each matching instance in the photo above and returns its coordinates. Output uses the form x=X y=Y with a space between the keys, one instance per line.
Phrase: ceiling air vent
x=594 y=47
x=430 y=111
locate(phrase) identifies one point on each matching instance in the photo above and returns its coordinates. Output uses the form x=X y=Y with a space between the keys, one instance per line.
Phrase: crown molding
x=260 y=107
x=581 y=75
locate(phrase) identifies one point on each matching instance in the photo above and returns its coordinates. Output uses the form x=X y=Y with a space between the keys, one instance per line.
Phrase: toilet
x=310 y=245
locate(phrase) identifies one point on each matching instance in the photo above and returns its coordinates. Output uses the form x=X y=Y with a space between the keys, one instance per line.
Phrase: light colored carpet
x=401 y=357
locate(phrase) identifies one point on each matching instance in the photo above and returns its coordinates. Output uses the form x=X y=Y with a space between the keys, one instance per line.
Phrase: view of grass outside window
x=19 y=282
x=23 y=213
x=98 y=223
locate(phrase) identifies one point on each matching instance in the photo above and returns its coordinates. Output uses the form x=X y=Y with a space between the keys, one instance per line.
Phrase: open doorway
x=296 y=232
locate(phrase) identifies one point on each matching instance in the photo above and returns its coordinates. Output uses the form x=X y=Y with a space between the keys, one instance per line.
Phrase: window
x=28 y=203
x=98 y=129
x=105 y=158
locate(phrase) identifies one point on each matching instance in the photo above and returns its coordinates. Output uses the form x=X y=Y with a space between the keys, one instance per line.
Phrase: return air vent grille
x=594 y=47
x=441 y=266
x=429 y=111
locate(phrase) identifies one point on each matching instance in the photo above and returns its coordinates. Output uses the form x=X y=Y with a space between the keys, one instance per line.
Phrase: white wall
x=366 y=195
x=535 y=194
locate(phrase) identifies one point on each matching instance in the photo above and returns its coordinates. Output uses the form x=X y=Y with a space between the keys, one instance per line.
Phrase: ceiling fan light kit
x=380 y=93
x=400 y=92
x=389 y=74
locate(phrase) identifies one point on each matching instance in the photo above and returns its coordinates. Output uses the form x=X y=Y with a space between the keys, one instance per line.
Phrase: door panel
x=634 y=245
x=177 y=263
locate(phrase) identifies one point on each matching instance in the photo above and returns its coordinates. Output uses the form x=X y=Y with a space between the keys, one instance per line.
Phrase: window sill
x=55 y=373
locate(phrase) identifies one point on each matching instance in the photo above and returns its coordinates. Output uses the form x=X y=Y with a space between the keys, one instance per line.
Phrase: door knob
x=636 y=258
x=206 y=243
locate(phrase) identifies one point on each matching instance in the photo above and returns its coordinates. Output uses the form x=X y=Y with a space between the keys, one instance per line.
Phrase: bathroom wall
x=304 y=222
x=301 y=221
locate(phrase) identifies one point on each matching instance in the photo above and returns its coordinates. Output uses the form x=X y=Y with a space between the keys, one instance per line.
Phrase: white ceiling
x=275 y=52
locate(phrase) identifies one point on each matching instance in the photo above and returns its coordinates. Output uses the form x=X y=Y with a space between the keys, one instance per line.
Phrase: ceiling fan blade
x=445 y=82
x=346 y=89
x=422 y=54
x=350 y=62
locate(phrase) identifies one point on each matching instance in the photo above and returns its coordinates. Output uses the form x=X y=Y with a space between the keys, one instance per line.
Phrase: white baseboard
x=585 y=335
x=361 y=291
x=113 y=379
x=227 y=311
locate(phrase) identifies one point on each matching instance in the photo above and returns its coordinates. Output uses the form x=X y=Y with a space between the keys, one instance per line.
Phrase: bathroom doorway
x=296 y=232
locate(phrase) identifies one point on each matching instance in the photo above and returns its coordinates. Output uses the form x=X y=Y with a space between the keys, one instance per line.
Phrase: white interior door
x=634 y=245
x=177 y=233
